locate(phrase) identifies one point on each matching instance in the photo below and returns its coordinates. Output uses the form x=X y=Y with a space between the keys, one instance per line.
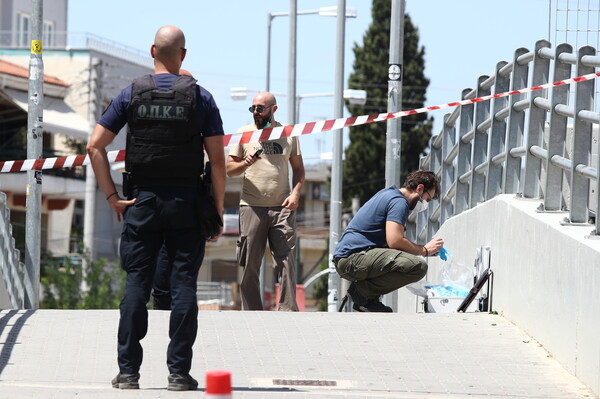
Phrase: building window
x=23 y=29
x=319 y=192
x=48 y=34
x=23 y=34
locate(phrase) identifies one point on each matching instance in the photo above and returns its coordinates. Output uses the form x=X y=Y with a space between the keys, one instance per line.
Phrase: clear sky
x=227 y=45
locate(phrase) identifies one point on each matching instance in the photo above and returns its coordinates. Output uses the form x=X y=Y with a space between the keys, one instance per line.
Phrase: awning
x=58 y=116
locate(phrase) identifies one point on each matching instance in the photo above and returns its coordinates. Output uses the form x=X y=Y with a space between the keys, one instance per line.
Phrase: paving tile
x=72 y=354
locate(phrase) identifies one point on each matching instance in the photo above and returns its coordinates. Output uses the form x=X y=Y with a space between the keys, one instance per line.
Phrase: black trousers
x=161 y=216
x=161 y=289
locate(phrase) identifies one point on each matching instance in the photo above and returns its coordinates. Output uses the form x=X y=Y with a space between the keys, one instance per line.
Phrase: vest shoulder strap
x=184 y=84
x=142 y=84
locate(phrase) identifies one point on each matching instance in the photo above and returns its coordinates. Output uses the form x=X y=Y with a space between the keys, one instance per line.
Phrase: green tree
x=321 y=285
x=61 y=279
x=364 y=168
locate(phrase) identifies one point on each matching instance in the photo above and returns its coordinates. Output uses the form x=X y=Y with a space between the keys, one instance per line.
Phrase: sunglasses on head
x=258 y=108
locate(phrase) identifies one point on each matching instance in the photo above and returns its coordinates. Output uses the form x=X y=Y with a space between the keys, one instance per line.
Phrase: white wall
x=546 y=276
x=59 y=229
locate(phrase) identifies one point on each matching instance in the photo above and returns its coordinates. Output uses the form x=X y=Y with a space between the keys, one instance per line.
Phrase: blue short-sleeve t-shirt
x=367 y=228
x=207 y=112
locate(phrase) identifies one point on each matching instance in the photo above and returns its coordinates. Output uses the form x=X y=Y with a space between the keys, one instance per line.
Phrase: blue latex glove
x=444 y=254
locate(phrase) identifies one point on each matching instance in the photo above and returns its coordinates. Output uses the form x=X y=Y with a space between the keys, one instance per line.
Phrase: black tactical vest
x=164 y=144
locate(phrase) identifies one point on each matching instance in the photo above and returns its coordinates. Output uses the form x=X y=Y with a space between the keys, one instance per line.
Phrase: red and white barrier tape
x=281 y=131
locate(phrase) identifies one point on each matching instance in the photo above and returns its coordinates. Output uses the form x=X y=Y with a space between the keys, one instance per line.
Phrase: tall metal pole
x=393 y=149
x=263 y=266
x=34 y=151
x=335 y=225
x=393 y=135
x=89 y=216
x=292 y=63
x=269 y=21
x=90 y=179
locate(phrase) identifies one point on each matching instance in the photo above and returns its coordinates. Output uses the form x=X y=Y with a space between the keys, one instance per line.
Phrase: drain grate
x=305 y=383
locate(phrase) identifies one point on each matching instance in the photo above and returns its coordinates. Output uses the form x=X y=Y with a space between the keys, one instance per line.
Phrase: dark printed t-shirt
x=207 y=112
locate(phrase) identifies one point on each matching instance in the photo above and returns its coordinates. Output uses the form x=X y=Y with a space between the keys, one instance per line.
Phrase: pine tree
x=364 y=168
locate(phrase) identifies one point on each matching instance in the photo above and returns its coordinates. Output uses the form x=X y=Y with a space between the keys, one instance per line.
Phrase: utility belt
x=130 y=183
x=208 y=217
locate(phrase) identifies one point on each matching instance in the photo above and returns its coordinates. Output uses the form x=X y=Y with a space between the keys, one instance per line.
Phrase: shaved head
x=168 y=42
x=265 y=98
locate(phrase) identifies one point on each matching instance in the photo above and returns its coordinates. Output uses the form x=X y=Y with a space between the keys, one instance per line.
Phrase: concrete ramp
x=72 y=354
x=546 y=275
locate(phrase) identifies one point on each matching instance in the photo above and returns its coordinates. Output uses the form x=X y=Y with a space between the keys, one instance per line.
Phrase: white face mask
x=421 y=206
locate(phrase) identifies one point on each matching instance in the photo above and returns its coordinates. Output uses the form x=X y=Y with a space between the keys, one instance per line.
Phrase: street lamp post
x=242 y=93
x=292 y=62
x=330 y=11
x=394 y=128
x=356 y=97
x=335 y=217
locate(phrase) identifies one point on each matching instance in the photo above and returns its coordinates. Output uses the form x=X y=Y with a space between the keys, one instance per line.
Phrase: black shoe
x=356 y=297
x=126 y=381
x=181 y=382
x=372 y=305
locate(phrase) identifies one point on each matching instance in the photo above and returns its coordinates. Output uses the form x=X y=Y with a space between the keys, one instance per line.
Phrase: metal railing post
x=448 y=172
x=553 y=198
x=516 y=125
x=537 y=121
x=582 y=138
x=432 y=219
x=497 y=134
x=480 y=144
x=463 y=164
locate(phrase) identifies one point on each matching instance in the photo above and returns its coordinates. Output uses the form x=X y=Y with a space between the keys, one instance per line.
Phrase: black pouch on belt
x=127 y=185
x=208 y=216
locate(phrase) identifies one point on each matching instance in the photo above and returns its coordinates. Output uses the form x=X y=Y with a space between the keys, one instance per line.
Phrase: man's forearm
x=297 y=187
x=96 y=149
x=235 y=168
x=99 y=162
x=218 y=185
x=298 y=176
x=405 y=245
x=214 y=149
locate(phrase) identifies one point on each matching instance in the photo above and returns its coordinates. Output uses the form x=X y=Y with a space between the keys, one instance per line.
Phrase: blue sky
x=227 y=45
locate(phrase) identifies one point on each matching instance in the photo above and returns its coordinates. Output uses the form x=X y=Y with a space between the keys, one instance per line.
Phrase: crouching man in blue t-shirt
x=373 y=252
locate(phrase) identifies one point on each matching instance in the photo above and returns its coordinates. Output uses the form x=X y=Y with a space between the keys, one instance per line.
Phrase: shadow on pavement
x=11 y=338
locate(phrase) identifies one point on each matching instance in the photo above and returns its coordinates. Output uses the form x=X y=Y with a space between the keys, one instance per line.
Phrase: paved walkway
x=72 y=354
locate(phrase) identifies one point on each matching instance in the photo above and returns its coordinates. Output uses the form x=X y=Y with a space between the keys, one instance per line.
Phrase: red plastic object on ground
x=218 y=384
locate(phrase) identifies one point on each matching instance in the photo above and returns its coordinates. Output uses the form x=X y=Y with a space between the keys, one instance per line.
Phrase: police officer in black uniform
x=170 y=118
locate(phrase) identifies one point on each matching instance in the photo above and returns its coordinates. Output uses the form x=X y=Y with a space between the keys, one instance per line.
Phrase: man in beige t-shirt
x=267 y=205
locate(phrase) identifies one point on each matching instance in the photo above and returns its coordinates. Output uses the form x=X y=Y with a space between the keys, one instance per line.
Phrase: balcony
x=79 y=41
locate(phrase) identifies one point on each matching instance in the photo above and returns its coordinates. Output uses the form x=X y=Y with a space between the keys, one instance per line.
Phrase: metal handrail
x=525 y=142
x=12 y=269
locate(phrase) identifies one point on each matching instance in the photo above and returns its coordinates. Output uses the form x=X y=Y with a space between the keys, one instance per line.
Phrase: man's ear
x=152 y=50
